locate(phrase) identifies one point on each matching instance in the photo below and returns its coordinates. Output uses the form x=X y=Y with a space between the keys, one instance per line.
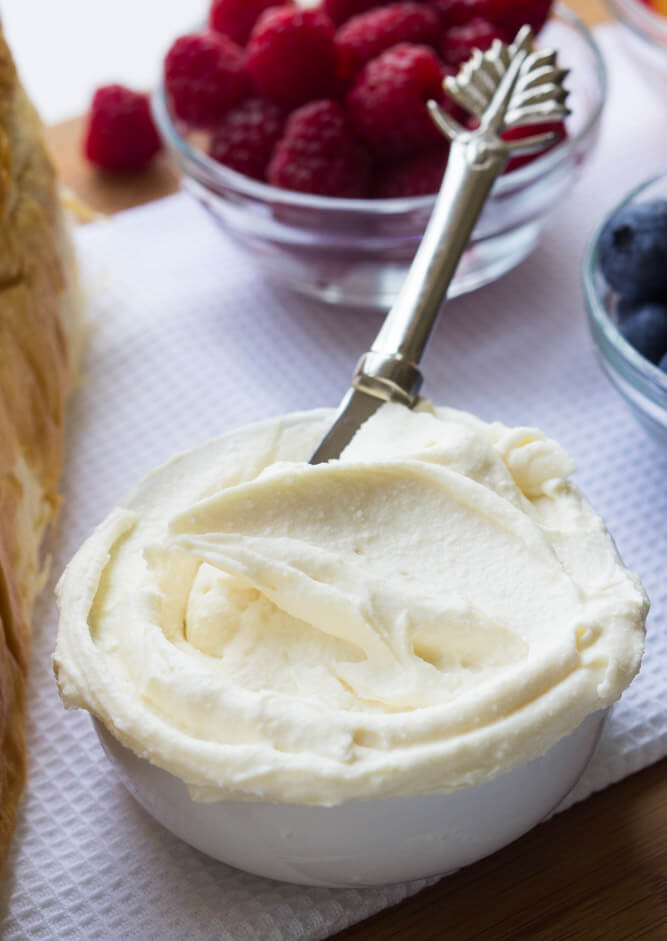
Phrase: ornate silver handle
x=505 y=87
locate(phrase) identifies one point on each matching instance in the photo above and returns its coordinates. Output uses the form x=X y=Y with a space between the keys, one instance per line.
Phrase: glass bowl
x=644 y=33
x=641 y=384
x=356 y=252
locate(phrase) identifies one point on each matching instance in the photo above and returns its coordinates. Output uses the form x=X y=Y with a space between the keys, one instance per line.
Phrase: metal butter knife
x=505 y=87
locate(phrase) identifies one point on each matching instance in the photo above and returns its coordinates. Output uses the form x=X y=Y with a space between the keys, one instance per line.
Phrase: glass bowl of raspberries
x=644 y=32
x=625 y=285
x=304 y=131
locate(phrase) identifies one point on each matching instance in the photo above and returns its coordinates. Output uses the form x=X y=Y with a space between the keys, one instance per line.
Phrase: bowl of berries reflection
x=356 y=252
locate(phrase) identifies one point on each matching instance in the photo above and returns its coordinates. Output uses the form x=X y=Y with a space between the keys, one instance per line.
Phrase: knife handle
x=505 y=87
x=390 y=369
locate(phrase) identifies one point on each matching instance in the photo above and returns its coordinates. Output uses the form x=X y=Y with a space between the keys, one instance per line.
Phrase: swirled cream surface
x=436 y=607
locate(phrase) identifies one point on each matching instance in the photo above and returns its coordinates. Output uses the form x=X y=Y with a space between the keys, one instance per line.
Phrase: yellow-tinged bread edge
x=40 y=338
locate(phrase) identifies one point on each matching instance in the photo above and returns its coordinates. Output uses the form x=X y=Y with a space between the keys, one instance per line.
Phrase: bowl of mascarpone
x=377 y=669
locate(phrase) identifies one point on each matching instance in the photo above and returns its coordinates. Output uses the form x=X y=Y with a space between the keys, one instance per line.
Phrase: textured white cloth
x=189 y=341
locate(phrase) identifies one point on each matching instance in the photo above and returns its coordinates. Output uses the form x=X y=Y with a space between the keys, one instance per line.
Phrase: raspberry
x=458 y=42
x=387 y=103
x=292 y=56
x=246 y=138
x=459 y=12
x=120 y=135
x=320 y=153
x=236 y=18
x=364 y=37
x=417 y=175
x=341 y=10
x=510 y=15
x=204 y=77
x=528 y=130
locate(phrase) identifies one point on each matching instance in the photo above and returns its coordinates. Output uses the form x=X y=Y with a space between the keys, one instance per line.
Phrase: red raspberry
x=387 y=103
x=528 y=130
x=320 y=153
x=458 y=42
x=246 y=138
x=120 y=135
x=204 y=76
x=459 y=12
x=511 y=15
x=292 y=56
x=341 y=10
x=364 y=37
x=236 y=18
x=417 y=175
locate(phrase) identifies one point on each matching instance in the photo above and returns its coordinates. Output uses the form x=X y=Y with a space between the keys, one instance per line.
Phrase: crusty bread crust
x=39 y=335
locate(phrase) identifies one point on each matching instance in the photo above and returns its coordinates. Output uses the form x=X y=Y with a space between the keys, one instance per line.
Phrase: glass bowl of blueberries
x=329 y=186
x=625 y=285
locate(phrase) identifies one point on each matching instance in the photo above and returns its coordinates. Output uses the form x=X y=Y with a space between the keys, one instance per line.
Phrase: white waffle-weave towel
x=189 y=341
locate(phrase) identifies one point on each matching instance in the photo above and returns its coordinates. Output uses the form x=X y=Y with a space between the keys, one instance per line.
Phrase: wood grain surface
x=595 y=873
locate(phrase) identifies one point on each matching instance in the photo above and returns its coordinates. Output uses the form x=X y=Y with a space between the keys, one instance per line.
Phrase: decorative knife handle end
x=509 y=85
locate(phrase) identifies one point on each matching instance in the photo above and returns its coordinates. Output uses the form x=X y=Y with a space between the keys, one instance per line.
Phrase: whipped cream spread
x=434 y=608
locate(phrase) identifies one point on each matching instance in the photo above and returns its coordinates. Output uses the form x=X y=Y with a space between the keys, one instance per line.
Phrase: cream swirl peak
x=439 y=605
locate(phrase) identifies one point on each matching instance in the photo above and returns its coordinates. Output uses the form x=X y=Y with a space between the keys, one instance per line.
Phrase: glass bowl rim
x=641 y=20
x=644 y=375
x=206 y=170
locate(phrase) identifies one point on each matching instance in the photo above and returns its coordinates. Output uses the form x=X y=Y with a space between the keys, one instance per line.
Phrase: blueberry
x=633 y=251
x=626 y=309
x=646 y=328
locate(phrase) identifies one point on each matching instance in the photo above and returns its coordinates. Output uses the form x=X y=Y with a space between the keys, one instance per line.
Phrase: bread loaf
x=39 y=340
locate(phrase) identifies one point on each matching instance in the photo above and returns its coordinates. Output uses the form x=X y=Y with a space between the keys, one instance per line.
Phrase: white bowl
x=362 y=843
